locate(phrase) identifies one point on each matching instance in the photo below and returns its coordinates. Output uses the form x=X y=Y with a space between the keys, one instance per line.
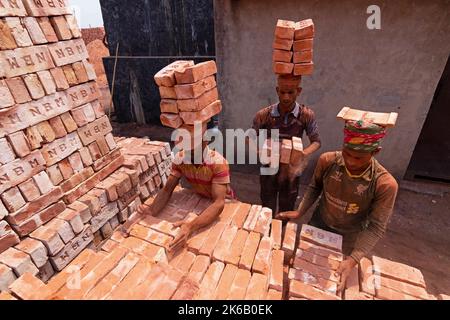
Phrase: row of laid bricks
x=34 y=86
x=190 y=275
x=87 y=221
x=319 y=255
x=138 y=268
x=293 y=47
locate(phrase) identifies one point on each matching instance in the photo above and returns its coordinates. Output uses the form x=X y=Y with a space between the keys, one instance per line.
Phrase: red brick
x=18 y=89
x=301 y=290
x=151 y=236
x=171 y=120
x=224 y=244
x=236 y=249
x=289 y=241
x=356 y=295
x=282 y=44
x=93 y=181
x=32 y=207
x=47 y=29
x=28 y=287
x=316 y=270
x=304 y=29
x=389 y=294
x=158 y=225
x=199 y=268
x=168 y=287
x=34 y=86
x=18 y=261
x=166 y=76
x=312 y=280
x=75 y=162
x=35 y=249
x=167 y=92
x=324 y=252
x=239 y=286
x=203 y=115
x=76 y=179
x=73 y=218
x=46 y=132
x=29 y=190
x=285 y=29
x=68 y=121
x=61 y=27
x=7 y=41
x=6 y=98
x=274 y=295
x=282 y=56
x=12 y=199
x=77 y=46
x=210 y=281
x=168 y=106
x=7 y=155
x=282 y=67
x=304 y=69
x=108 y=283
x=249 y=252
x=366 y=276
x=305 y=56
x=317 y=260
x=73 y=26
x=148 y=250
x=303 y=44
x=276 y=271
x=47 y=81
x=19 y=143
x=43 y=182
x=257 y=287
x=264 y=222
x=70 y=75
x=66 y=169
x=402 y=287
x=60 y=79
x=50 y=238
x=18 y=31
x=195 y=89
x=241 y=215
x=7 y=277
x=186 y=291
x=58 y=127
x=398 y=271
x=136 y=276
x=276 y=233
x=322 y=238
x=63 y=228
x=225 y=283
x=195 y=73
x=86 y=156
x=184 y=262
x=95 y=275
x=263 y=257
x=252 y=218
x=213 y=239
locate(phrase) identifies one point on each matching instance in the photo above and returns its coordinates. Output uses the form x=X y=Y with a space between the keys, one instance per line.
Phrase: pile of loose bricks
x=188 y=93
x=65 y=183
x=293 y=48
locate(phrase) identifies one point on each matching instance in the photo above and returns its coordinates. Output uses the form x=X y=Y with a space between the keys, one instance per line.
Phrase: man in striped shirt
x=210 y=178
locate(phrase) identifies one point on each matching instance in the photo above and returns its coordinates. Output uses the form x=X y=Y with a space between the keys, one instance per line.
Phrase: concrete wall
x=396 y=68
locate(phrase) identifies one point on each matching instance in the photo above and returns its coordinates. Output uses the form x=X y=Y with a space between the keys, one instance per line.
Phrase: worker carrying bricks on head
x=292 y=120
x=208 y=173
x=357 y=193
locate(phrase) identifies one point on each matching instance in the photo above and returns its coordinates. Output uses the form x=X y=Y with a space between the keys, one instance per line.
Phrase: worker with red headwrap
x=357 y=193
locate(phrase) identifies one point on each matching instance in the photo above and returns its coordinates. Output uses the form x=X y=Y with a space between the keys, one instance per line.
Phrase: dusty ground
x=418 y=234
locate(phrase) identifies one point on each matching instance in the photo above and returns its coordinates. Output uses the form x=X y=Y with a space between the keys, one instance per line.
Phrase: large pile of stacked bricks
x=293 y=47
x=64 y=183
x=188 y=93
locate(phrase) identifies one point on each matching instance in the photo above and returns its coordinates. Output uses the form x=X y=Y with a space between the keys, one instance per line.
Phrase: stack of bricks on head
x=65 y=183
x=293 y=48
x=188 y=94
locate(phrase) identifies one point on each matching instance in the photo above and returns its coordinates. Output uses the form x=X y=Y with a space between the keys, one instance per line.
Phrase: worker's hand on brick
x=182 y=236
x=287 y=215
x=344 y=270
x=144 y=209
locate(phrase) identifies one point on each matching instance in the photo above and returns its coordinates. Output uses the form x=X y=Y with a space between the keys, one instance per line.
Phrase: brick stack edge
x=66 y=184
